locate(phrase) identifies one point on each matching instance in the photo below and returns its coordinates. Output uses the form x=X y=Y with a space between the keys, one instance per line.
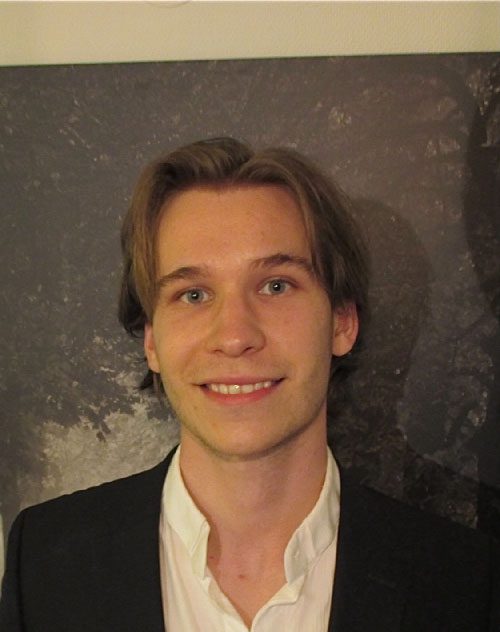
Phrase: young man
x=245 y=274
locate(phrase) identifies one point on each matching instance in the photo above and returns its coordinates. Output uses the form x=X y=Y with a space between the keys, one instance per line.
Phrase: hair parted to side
x=338 y=253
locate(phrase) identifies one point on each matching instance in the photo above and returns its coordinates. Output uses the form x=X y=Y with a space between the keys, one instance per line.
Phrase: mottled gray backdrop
x=414 y=140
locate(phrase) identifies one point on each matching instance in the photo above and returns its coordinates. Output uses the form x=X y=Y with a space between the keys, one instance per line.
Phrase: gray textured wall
x=415 y=140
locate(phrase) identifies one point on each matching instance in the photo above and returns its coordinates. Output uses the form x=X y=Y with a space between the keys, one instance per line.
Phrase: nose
x=235 y=329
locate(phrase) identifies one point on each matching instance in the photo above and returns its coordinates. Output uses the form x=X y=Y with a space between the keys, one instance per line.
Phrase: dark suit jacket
x=89 y=562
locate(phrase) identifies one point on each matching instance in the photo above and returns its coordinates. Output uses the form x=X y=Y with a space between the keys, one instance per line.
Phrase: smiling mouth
x=240 y=389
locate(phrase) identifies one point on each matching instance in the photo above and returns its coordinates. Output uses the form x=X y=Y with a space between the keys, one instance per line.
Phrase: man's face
x=242 y=332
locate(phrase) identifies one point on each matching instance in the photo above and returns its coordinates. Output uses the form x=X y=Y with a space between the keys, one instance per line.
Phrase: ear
x=150 y=348
x=345 y=329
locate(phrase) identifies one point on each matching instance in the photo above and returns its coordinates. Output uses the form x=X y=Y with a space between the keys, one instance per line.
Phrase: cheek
x=283 y=329
x=314 y=330
x=174 y=348
x=309 y=348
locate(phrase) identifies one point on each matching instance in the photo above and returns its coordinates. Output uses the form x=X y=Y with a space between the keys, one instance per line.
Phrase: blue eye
x=275 y=286
x=194 y=296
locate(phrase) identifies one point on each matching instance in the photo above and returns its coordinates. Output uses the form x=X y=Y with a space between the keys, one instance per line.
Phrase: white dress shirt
x=192 y=599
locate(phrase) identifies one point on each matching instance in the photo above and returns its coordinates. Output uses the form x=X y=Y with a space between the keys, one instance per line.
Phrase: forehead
x=245 y=221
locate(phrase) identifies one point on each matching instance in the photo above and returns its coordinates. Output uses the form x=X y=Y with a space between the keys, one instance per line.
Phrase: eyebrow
x=182 y=273
x=271 y=261
x=281 y=258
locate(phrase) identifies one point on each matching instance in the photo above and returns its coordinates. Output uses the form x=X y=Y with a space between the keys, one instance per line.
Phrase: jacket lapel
x=370 y=574
x=134 y=584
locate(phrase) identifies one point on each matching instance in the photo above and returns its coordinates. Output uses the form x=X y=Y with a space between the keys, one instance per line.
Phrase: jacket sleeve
x=11 y=619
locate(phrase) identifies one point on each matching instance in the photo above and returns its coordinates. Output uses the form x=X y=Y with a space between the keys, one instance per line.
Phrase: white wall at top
x=93 y=32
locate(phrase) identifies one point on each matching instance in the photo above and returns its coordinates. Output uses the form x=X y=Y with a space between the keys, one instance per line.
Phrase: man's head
x=337 y=253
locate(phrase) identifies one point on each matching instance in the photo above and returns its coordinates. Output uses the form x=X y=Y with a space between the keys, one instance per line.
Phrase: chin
x=244 y=449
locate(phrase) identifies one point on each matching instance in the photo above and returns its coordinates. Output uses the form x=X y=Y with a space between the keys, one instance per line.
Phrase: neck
x=263 y=496
x=253 y=507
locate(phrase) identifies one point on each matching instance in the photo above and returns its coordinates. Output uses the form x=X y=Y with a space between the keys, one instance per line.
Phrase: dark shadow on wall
x=482 y=221
x=365 y=434
x=368 y=434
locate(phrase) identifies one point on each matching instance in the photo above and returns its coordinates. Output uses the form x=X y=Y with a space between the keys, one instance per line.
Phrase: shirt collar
x=317 y=531
x=184 y=517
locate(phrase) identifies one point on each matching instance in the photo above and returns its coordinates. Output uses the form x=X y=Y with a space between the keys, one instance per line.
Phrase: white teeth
x=236 y=389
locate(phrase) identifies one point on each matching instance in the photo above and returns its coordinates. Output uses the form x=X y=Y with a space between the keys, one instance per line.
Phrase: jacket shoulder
x=101 y=509
x=425 y=566
x=88 y=560
x=415 y=532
